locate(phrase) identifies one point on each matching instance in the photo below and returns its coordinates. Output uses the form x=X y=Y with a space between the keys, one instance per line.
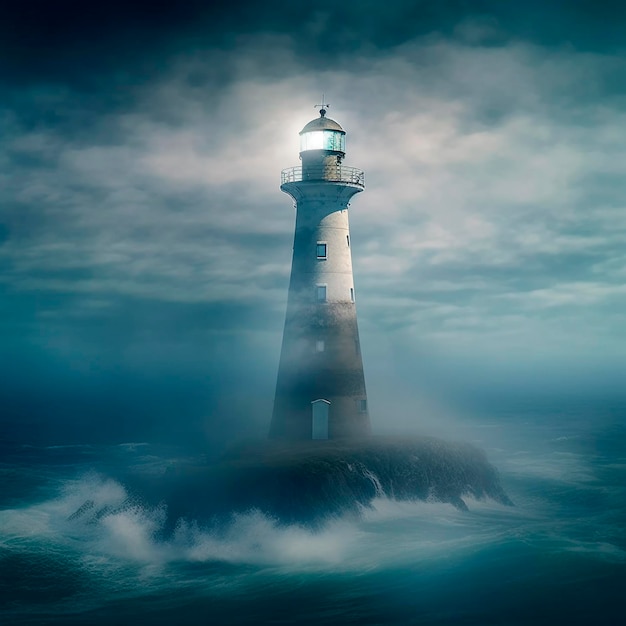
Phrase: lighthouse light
x=323 y=140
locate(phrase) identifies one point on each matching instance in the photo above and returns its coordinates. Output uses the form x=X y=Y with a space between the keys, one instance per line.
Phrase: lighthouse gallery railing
x=331 y=173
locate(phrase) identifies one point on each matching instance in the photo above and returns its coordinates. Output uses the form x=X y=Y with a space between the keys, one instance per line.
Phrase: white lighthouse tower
x=320 y=391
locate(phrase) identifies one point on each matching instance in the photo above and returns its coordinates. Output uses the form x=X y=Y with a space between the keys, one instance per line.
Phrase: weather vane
x=322 y=106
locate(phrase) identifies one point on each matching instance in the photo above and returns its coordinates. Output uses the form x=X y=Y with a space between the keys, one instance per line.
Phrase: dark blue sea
x=557 y=557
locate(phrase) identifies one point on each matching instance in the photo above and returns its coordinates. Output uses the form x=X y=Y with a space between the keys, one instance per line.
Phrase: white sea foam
x=383 y=508
x=133 y=446
x=96 y=517
x=255 y=537
x=564 y=467
x=605 y=550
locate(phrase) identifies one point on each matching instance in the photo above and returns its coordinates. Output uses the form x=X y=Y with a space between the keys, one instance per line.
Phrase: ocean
x=558 y=556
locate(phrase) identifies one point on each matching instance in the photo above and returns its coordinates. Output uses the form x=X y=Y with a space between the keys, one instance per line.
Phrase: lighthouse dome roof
x=322 y=123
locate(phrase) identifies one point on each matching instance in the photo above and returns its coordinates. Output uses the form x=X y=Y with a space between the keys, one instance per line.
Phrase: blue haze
x=144 y=262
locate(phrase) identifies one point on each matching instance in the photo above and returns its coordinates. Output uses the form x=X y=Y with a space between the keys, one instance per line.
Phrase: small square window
x=321 y=293
x=319 y=345
x=363 y=406
x=321 y=250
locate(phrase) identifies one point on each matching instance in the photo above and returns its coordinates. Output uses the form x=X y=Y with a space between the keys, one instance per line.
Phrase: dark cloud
x=145 y=244
x=70 y=41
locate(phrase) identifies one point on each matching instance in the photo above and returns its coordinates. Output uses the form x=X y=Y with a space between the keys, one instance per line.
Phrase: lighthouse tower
x=320 y=391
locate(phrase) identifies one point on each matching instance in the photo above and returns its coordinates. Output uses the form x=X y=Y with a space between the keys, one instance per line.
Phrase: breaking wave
x=97 y=516
x=261 y=504
x=167 y=537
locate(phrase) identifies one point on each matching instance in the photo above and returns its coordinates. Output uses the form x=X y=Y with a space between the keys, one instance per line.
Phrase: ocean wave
x=97 y=516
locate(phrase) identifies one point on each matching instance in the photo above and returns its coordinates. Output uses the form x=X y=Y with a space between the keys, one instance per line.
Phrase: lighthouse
x=320 y=389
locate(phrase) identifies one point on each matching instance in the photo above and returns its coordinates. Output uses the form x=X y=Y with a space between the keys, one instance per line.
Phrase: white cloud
x=487 y=174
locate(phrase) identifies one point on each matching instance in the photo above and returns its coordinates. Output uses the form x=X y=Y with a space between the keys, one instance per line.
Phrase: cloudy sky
x=145 y=244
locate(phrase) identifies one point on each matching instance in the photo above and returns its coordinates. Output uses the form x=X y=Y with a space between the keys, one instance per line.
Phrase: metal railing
x=331 y=173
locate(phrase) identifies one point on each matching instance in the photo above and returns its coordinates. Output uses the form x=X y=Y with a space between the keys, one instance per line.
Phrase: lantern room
x=323 y=134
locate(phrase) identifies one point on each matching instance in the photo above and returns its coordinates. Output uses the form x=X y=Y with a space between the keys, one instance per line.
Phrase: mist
x=145 y=245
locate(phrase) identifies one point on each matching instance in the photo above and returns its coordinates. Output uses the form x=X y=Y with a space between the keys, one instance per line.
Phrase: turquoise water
x=557 y=557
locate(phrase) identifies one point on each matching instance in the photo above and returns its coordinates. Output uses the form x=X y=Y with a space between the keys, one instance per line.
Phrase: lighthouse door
x=319 y=409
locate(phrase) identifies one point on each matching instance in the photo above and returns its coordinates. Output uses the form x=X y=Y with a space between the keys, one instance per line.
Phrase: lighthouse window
x=321 y=293
x=348 y=240
x=363 y=406
x=323 y=140
x=351 y=294
x=319 y=345
x=321 y=250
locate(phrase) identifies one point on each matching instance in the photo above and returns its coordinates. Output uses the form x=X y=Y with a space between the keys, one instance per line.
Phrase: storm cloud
x=145 y=245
